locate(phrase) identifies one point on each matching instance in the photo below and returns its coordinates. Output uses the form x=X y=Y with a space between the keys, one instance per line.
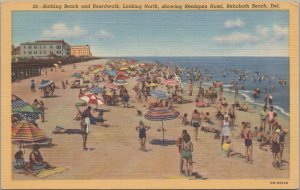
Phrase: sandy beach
x=115 y=152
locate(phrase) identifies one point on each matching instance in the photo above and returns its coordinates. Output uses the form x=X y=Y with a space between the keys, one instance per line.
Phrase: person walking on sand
x=85 y=124
x=32 y=87
x=42 y=108
x=263 y=118
x=196 y=122
x=275 y=147
x=142 y=134
x=187 y=149
x=180 y=147
x=282 y=134
x=191 y=87
x=248 y=144
x=226 y=132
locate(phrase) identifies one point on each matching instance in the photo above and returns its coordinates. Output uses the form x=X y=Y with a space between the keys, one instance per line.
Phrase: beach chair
x=79 y=114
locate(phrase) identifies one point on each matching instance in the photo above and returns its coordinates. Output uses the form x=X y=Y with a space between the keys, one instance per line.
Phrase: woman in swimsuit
x=275 y=147
x=282 y=134
x=248 y=144
x=187 y=149
x=196 y=122
x=142 y=134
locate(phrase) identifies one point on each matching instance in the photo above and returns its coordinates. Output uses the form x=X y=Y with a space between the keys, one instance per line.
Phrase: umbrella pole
x=162 y=122
x=20 y=146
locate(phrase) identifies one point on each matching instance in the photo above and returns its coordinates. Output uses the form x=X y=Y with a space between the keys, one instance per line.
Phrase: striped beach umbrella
x=17 y=104
x=27 y=133
x=170 y=82
x=153 y=84
x=120 y=82
x=111 y=86
x=159 y=94
x=96 y=90
x=121 y=73
x=45 y=83
x=162 y=114
x=92 y=99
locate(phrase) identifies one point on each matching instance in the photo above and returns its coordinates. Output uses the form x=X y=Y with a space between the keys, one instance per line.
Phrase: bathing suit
x=196 y=123
x=275 y=147
x=248 y=141
x=186 y=153
x=142 y=132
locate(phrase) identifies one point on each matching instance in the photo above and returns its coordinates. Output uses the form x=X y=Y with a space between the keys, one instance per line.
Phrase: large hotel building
x=81 y=51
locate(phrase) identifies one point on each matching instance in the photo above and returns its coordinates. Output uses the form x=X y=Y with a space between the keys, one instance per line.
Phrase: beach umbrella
x=27 y=133
x=16 y=105
x=161 y=114
x=122 y=77
x=96 y=90
x=55 y=65
x=110 y=72
x=123 y=68
x=76 y=75
x=27 y=109
x=96 y=71
x=111 y=86
x=153 y=85
x=120 y=82
x=45 y=83
x=170 y=82
x=159 y=94
x=92 y=99
x=121 y=73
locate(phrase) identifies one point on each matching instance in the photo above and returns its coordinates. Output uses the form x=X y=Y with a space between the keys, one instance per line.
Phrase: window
x=51 y=47
x=35 y=47
x=29 y=52
x=51 y=52
x=29 y=47
x=58 y=51
x=58 y=47
x=24 y=52
x=40 y=52
x=45 y=52
x=35 y=52
x=24 y=47
x=44 y=46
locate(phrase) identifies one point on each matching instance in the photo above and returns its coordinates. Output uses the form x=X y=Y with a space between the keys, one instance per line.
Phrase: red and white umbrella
x=92 y=99
x=170 y=82
x=111 y=86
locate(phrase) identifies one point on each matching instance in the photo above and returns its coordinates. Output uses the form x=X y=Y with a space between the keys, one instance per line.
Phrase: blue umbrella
x=96 y=90
x=159 y=94
x=110 y=72
x=23 y=115
x=45 y=83
x=76 y=75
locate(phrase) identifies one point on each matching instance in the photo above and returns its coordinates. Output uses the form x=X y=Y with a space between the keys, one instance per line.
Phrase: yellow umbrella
x=132 y=66
x=55 y=65
x=96 y=71
x=153 y=84
x=123 y=68
x=109 y=93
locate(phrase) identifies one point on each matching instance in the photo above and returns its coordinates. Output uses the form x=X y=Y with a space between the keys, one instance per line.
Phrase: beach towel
x=46 y=173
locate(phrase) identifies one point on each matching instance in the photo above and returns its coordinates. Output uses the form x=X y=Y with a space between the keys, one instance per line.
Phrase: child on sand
x=185 y=120
x=226 y=148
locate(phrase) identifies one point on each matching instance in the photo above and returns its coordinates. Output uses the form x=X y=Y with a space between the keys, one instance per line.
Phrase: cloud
x=61 y=30
x=235 y=38
x=104 y=35
x=280 y=31
x=262 y=30
x=237 y=23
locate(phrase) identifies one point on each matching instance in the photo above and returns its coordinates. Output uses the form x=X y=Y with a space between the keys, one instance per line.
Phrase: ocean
x=222 y=68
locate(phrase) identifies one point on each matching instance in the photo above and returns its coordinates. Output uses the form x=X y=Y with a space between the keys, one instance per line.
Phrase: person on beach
x=125 y=99
x=63 y=85
x=185 y=120
x=282 y=134
x=142 y=129
x=226 y=148
x=275 y=147
x=248 y=144
x=263 y=118
x=187 y=149
x=36 y=161
x=231 y=115
x=196 y=122
x=85 y=124
x=270 y=117
x=226 y=132
x=179 y=143
x=274 y=122
x=42 y=108
x=35 y=103
x=191 y=87
x=32 y=87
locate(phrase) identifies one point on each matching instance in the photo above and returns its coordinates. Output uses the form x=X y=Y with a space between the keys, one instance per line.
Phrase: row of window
x=45 y=52
x=42 y=46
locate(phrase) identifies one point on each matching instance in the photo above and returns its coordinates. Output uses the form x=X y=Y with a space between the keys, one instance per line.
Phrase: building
x=15 y=53
x=81 y=51
x=44 y=49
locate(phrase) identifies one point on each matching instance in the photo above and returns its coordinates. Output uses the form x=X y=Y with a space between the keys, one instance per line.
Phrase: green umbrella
x=27 y=109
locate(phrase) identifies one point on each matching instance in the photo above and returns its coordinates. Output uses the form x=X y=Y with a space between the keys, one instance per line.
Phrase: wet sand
x=115 y=150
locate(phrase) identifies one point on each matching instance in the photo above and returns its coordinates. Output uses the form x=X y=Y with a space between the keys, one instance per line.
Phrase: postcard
x=149 y=95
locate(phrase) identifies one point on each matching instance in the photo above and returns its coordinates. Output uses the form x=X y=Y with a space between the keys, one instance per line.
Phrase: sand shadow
x=160 y=142
x=55 y=96
x=199 y=176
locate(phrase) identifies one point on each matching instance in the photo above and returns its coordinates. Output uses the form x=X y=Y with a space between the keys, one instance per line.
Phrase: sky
x=160 y=33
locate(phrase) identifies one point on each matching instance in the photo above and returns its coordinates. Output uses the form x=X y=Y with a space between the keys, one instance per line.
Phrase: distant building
x=81 y=51
x=15 y=53
x=44 y=49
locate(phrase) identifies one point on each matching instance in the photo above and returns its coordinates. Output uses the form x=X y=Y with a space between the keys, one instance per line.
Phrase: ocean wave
x=245 y=93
